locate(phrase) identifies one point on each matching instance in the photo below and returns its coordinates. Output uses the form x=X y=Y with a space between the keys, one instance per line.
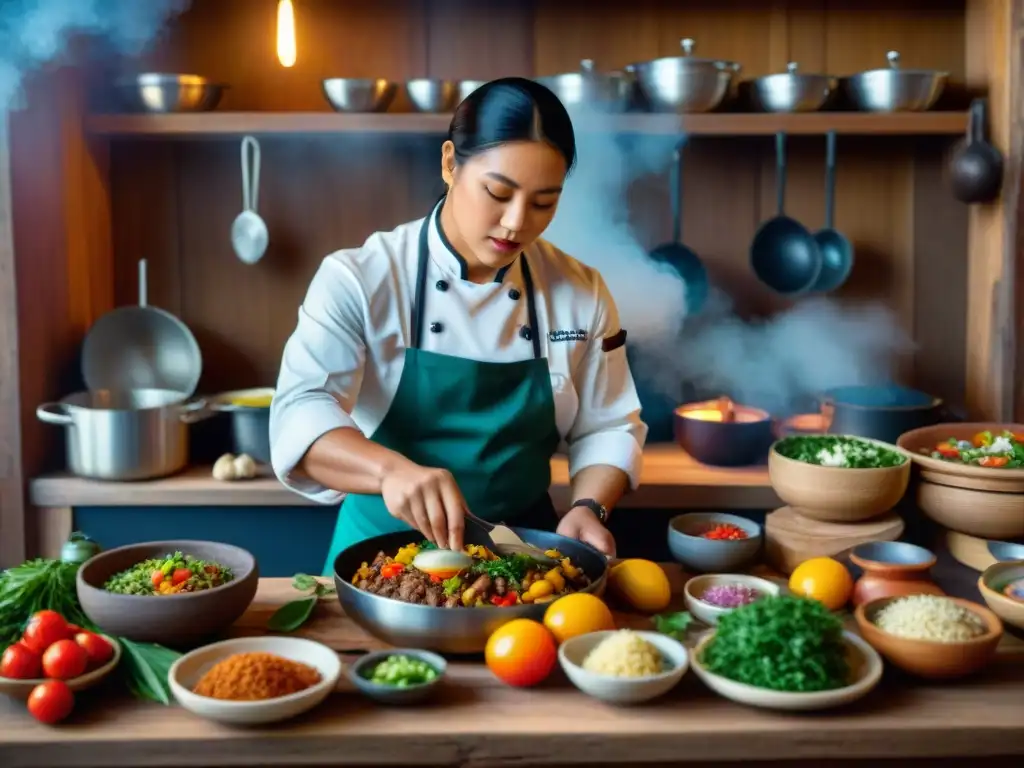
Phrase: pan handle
x=143 y=283
x=54 y=413
x=780 y=172
x=193 y=411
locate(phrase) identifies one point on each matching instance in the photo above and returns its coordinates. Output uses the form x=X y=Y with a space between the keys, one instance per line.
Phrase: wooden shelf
x=213 y=124
x=671 y=479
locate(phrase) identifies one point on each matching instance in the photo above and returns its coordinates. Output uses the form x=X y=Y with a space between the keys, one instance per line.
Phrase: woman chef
x=438 y=367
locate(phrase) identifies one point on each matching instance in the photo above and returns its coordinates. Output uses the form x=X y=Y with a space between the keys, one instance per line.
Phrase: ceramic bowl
x=991 y=585
x=866 y=669
x=892 y=569
x=988 y=514
x=390 y=694
x=20 y=689
x=709 y=613
x=927 y=658
x=838 y=494
x=172 y=620
x=920 y=443
x=712 y=555
x=623 y=690
x=186 y=672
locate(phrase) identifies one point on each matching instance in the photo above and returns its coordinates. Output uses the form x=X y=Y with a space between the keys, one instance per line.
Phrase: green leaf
x=290 y=616
x=304 y=582
x=673 y=624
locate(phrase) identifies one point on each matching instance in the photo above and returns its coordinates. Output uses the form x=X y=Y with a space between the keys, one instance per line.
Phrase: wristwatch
x=594 y=506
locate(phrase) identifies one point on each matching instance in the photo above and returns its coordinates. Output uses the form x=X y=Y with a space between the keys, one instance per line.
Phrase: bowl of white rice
x=624 y=666
x=931 y=636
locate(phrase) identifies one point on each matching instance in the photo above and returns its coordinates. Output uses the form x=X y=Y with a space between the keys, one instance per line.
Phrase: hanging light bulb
x=286 y=51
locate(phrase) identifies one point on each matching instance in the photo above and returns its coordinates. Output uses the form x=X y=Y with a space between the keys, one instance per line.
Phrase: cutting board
x=790 y=538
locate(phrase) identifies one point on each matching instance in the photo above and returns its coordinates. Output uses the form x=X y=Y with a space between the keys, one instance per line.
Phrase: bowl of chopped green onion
x=838 y=478
x=399 y=675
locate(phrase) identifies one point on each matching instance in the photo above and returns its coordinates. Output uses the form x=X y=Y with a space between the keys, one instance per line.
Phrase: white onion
x=441 y=560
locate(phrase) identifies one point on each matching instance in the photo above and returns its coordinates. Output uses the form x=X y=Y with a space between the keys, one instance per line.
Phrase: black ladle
x=836 y=250
x=683 y=260
x=784 y=255
x=976 y=170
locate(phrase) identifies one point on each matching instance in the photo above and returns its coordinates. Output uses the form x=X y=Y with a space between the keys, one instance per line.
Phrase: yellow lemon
x=823 y=579
x=642 y=584
x=577 y=614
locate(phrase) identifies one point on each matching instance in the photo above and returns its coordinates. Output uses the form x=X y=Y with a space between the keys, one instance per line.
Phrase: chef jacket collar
x=443 y=253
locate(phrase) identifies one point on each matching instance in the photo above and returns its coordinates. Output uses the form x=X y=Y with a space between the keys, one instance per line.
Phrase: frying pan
x=683 y=260
x=836 y=251
x=783 y=255
x=141 y=347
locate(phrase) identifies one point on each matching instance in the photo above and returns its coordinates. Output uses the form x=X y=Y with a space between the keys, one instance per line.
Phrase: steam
x=817 y=344
x=36 y=32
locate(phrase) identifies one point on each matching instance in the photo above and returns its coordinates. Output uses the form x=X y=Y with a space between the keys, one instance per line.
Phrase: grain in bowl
x=624 y=654
x=930 y=618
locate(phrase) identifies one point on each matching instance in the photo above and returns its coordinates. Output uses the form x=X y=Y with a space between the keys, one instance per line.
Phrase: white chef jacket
x=342 y=364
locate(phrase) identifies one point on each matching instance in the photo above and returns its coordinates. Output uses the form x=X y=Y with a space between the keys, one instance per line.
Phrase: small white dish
x=710 y=613
x=186 y=672
x=623 y=690
x=866 y=666
x=20 y=689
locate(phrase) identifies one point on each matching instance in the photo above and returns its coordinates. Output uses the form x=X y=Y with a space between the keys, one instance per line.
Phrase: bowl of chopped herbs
x=838 y=478
x=787 y=653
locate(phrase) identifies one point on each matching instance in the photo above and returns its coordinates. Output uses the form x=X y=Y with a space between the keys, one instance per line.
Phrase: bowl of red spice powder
x=713 y=542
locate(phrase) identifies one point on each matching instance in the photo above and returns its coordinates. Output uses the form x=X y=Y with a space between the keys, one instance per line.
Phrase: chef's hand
x=427 y=499
x=581 y=523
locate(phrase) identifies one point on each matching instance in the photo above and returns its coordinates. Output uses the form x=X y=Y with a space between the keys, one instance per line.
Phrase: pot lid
x=894 y=67
x=793 y=68
x=687 y=45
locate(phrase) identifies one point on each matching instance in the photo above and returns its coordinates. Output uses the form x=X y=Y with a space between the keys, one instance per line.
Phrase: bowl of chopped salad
x=990 y=453
x=838 y=478
x=176 y=593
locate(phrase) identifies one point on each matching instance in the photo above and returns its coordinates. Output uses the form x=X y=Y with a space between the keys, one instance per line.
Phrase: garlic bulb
x=245 y=467
x=224 y=468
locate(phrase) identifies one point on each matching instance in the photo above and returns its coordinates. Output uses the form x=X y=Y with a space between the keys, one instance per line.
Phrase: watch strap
x=594 y=506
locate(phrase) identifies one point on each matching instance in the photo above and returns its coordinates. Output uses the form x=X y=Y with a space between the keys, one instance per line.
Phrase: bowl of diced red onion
x=713 y=595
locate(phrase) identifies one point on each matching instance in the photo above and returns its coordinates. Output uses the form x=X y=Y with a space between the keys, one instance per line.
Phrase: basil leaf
x=304 y=582
x=293 y=615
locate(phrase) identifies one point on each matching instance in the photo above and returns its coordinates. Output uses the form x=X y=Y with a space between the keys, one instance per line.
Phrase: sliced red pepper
x=948 y=451
x=436 y=579
x=497 y=600
x=391 y=570
x=993 y=461
x=510 y=599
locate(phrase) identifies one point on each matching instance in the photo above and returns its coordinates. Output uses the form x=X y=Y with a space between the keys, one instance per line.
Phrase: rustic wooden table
x=477 y=721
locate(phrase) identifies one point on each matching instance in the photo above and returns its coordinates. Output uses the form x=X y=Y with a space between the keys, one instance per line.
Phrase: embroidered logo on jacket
x=577 y=335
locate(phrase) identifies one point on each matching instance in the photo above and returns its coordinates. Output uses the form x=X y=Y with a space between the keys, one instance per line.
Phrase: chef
x=438 y=367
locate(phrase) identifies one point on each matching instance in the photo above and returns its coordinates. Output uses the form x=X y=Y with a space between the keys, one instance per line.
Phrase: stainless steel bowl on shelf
x=894 y=89
x=685 y=83
x=353 y=94
x=161 y=92
x=446 y=630
x=792 y=91
x=466 y=87
x=604 y=91
x=433 y=96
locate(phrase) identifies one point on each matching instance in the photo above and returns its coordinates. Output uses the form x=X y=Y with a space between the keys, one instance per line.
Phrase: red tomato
x=64 y=660
x=993 y=461
x=948 y=451
x=156 y=577
x=21 y=663
x=521 y=653
x=44 y=629
x=73 y=629
x=180 y=575
x=51 y=702
x=96 y=648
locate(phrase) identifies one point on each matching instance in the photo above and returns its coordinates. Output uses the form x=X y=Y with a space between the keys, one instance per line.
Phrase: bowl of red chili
x=713 y=542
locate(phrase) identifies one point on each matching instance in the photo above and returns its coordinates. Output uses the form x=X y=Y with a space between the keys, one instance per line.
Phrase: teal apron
x=492 y=425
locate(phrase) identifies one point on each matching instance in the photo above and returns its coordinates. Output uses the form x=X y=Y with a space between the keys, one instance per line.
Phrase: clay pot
x=892 y=569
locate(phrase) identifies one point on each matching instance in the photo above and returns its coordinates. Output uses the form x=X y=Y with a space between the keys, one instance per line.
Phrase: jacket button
x=525 y=332
x=514 y=294
x=436 y=327
x=441 y=285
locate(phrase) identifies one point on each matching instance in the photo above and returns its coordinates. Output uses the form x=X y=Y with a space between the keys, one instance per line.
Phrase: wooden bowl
x=838 y=494
x=987 y=514
x=927 y=658
x=919 y=443
x=20 y=689
x=991 y=584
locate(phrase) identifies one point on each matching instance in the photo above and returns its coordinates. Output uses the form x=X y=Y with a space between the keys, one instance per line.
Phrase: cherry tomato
x=64 y=660
x=391 y=570
x=521 y=653
x=981 y=439
x=51 y=702
x=993 y=461
x=20 y=662
x=948 y=451
x=180 y=576
x=44 y=629
x=156 y=577
x=96 y=648
x=73 y=629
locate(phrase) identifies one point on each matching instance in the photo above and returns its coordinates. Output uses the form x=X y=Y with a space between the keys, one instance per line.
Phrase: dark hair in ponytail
x=511 y=109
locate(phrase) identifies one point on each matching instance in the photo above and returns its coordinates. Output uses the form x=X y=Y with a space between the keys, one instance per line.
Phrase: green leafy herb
x=425 y=545
x=292 y=615
x=451 y=586
x=783 y=643
x=673 y=624
x=833 y=451
x=512 y=568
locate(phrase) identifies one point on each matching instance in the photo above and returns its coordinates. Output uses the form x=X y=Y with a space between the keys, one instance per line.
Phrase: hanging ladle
x=836 y=250
x=249 y=235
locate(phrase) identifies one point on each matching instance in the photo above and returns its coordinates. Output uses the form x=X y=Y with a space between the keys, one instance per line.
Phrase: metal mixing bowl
x=159 y=92
x=894 y=89
x=434 y=96
x=685 y=83
x=792 y=91
x=466 y=87
x=606 y=91
x=349 y=94
x=446 y=630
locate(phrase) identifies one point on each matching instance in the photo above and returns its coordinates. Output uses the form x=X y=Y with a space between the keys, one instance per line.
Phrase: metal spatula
x=507 y=542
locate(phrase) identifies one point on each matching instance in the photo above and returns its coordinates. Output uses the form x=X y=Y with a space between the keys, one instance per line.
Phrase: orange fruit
x=521 y=653
x=823 y=579
x=577 y=614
